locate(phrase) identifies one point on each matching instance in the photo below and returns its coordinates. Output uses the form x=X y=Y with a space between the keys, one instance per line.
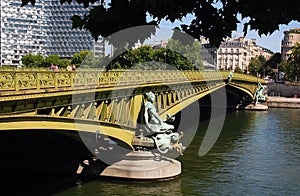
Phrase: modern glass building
x=44 y=29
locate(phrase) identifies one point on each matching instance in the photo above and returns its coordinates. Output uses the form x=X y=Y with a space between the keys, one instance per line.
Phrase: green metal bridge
x=84 y=99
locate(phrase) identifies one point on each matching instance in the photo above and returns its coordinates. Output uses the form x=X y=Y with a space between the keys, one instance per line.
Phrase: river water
x=257 y=153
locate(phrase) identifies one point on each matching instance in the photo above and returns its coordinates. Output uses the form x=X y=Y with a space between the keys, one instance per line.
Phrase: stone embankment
x=283 y=95
x=283 y=90
x=283 y=102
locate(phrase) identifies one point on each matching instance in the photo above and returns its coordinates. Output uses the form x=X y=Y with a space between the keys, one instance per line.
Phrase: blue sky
x=271 y=42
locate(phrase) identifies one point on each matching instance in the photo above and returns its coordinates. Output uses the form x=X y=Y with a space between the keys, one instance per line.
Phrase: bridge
x=106 y=102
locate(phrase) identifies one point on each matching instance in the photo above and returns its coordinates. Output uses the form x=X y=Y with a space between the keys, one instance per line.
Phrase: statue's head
x=150 y=96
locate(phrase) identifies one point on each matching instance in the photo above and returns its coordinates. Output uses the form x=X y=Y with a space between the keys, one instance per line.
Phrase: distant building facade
x=43 y=29
x=237 y=52
x=159 y=44
x=291 y=37
x=209 y=54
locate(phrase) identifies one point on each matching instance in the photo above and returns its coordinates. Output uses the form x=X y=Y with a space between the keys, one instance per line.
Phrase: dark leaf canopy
x=214 y=19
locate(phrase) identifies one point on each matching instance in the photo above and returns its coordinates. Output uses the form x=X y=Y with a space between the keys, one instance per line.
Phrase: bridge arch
x=44 y=99
x=41 y=123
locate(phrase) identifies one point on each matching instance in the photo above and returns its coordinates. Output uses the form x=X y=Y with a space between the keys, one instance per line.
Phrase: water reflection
x=257 y=153
x=118 y=187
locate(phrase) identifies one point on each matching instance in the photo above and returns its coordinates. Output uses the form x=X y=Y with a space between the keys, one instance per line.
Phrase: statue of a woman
x=152 y=120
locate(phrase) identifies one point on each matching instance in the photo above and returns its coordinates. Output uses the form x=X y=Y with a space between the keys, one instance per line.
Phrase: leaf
x=78 y=22
x=25 y=2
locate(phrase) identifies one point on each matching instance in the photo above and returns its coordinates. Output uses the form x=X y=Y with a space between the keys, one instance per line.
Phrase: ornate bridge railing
x=39 y=80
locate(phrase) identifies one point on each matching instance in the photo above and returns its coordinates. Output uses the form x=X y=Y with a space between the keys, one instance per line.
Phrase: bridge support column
x=144 y=165
x=256 y=107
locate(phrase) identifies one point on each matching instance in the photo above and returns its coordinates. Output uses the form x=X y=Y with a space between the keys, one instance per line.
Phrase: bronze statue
x=158 y=129
x=260 y=93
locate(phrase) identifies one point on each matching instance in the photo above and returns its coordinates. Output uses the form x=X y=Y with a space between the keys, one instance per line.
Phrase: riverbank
x=283 y=102
x=283 y=90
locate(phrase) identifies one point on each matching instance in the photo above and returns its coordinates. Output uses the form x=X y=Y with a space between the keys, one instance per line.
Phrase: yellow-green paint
x=187 y=101
x=23 y=123
x=249 y=92
x=122 y=110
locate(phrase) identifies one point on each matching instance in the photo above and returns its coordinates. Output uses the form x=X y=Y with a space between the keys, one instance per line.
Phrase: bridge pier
x=144 y=165
x=258 y=106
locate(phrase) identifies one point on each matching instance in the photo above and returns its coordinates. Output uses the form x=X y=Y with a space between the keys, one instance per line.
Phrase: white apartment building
x=43 y=29
x=237 y=52
x=291 y=37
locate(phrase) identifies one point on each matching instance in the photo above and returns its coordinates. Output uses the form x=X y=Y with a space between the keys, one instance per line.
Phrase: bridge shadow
x=39 y=162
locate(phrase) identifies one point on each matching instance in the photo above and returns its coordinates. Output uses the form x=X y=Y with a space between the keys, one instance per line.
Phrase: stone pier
x=258 y=106
x=144 y=165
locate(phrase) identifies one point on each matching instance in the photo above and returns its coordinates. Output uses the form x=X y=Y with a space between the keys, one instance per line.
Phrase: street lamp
x=165 y=54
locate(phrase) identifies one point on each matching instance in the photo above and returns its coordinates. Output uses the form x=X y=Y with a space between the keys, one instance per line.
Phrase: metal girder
x=112 y=98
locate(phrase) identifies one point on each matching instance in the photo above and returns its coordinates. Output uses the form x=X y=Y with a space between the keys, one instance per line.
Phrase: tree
x=254 y=66
x=78 y=57
x=262 y=69
x=89 y=60
x=51 y=59
x=212 y=19
x=183 y=57
x=238 y=70
x=64 y=63
x=292 y=65
x=189 y=52
x=30 y=60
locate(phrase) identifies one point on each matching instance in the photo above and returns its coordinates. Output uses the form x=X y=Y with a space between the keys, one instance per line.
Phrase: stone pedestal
x=256 y=107
x=143 y=166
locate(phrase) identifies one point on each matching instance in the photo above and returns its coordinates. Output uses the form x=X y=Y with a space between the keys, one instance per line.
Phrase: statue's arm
x=153 y=112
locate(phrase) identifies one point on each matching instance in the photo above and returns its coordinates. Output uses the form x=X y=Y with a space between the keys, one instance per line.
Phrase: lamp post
x=165 y=54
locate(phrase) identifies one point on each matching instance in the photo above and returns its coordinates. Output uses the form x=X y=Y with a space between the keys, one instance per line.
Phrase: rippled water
x=257 y=153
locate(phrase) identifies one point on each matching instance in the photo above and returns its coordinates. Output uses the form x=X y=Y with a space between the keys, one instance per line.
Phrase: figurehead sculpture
x=158 y=129
x=154 y=123
x=260 y=93
x=230 y=76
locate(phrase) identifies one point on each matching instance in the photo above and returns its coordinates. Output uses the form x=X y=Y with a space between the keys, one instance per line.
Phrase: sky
x=271 y=41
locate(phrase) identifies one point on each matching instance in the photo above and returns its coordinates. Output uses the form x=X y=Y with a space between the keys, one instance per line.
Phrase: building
x=237 y=52
x=159 y=44
x=291 y=37
x=43 y=29
x=208 y=53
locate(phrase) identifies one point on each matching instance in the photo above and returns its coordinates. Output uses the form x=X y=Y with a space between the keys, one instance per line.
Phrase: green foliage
x=238 y=70
x=30 y=60
x=183 y=57
x=64 y=63
x=51 y=59
x=211 y=21
x=263 y=66
x=188 y=56
x=254 y=66
x=259 y=66
x=89 y=60
x=274 y=61
x=262 y=60
x=292 y=65
x=78 y=57
x=84 y=57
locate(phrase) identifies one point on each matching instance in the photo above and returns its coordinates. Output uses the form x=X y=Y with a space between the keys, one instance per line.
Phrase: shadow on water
x=35 y=163
x=107 y=187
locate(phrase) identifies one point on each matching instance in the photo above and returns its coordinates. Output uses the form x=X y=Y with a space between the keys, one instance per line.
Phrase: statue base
x=256 y=107
x=144 y=165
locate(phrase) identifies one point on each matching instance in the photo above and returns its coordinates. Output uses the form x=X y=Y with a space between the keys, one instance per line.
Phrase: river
x=257 y=153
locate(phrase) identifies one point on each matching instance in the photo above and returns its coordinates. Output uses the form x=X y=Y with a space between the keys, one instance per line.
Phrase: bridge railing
x=16 y=80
